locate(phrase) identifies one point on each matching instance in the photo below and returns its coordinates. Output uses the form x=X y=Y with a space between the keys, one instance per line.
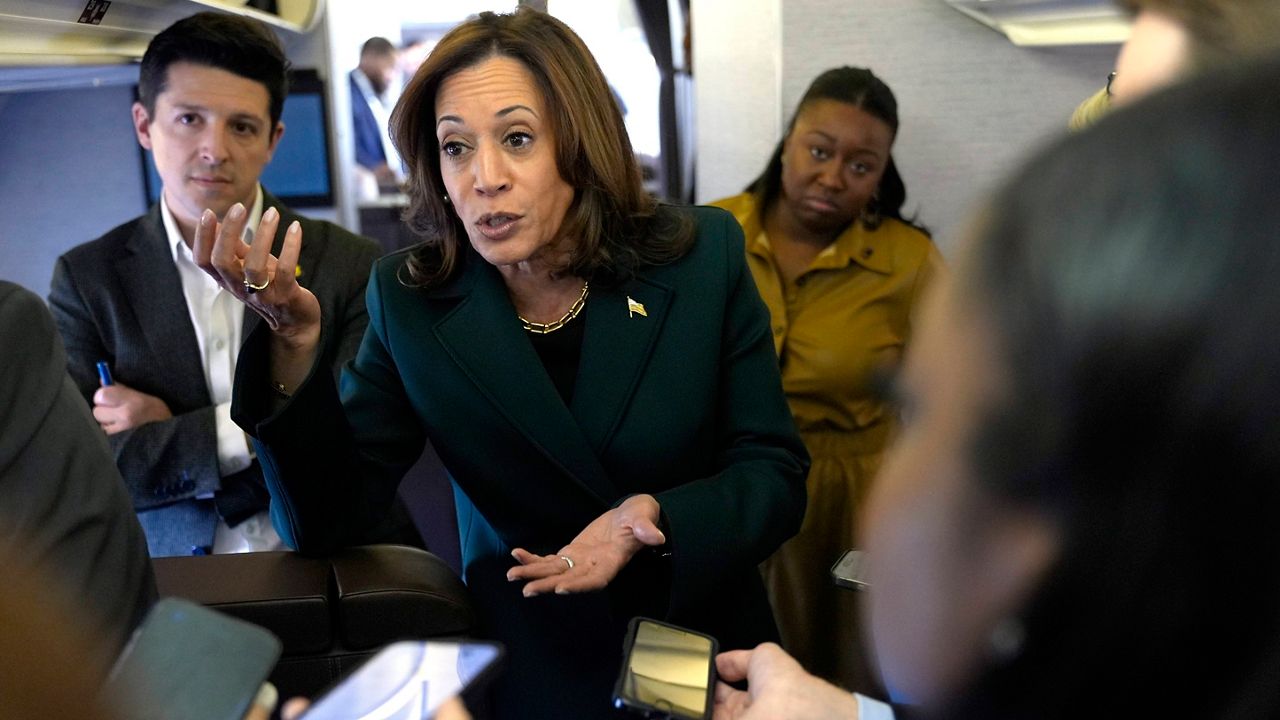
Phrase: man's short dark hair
x=378 y=46
x=237 y=44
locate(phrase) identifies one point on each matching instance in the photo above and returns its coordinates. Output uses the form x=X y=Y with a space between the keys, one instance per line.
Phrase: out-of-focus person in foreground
x=1174 y=39
x=1082 y=504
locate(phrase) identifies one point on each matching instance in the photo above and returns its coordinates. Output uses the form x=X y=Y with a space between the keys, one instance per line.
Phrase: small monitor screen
x=299 y=173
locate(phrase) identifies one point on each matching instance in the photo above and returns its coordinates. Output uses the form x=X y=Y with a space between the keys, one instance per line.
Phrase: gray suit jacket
x=62 y=505
x=119 y=298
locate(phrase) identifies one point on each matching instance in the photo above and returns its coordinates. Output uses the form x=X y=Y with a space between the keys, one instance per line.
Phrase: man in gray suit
x=211 y=88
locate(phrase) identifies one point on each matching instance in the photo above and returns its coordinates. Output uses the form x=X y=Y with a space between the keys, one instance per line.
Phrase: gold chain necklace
x=554 y=325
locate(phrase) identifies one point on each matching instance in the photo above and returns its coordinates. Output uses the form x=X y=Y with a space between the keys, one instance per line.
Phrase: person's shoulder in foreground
x=60 y=493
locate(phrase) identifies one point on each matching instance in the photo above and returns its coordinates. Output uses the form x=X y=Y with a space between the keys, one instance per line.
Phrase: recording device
x=667 y=671
x=188 y=661
x=408 y=680
x=850 y=571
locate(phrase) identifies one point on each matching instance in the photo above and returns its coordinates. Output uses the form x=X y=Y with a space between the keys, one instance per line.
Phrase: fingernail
x=561 y=591
x=270 y=215
x=236 y=212
x=267 y=697
x=207 y=217
x=294 y=228
x=528 y=593
x=509 y=578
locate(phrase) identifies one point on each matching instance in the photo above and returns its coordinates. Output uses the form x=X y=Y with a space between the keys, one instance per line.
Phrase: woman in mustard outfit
x=842 y=273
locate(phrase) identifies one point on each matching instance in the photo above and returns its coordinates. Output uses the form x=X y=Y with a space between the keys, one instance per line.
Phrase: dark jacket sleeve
x=161 y=461
x=332 y=463
x=62 y=504
x=351 y=316
x=739 y=516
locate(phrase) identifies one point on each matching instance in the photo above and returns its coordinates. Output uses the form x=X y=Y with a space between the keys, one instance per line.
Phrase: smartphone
x=408 y=680
x=667 y=671
x=188 y=661
x=850 y=571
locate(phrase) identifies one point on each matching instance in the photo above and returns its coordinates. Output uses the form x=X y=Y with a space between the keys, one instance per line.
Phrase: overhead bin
x=100 y=32
x=1050 y=22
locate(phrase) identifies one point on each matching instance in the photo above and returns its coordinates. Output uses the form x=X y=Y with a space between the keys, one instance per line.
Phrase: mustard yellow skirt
x=818 y=620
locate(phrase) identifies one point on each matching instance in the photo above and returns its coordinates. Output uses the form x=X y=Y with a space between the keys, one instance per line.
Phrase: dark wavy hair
x=860 y=88
x=239 y=45
x=618 y=226
x=1131 y=276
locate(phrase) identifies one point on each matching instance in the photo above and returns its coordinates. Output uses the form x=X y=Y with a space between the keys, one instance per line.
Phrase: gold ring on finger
x=250 y=288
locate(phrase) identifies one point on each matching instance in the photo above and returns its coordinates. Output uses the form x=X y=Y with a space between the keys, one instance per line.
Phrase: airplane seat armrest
x=330 y=613
x=283 y=592
x=389 y=592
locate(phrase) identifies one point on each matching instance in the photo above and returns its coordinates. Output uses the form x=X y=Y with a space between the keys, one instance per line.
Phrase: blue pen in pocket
x=104 y=373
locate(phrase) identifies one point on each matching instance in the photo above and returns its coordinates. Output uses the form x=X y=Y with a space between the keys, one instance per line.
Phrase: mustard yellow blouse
x=849 y=314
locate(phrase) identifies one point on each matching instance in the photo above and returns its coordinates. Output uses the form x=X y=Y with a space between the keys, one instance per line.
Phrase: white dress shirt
x=217 y=317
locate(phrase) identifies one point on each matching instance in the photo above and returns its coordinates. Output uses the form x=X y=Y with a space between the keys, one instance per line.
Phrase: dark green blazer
x=684 y=402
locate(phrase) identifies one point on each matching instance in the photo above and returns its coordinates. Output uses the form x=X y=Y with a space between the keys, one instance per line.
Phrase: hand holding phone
x=407 y=680
x=667 y=671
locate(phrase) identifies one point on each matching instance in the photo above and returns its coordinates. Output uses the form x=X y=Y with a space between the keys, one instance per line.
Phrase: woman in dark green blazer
x=631 y=455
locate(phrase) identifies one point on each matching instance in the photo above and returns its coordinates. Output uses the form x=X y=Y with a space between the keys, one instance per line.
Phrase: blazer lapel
x=154 y=291
x=484 y=338
x=623 y=323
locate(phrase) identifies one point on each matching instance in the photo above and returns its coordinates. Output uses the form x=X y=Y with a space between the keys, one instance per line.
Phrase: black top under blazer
x=684 y=403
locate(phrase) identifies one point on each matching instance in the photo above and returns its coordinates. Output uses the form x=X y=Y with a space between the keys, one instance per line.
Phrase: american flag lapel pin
x=635 y=308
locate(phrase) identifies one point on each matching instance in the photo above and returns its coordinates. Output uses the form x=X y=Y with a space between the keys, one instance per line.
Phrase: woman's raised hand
x=596 y=555
x=266 y=284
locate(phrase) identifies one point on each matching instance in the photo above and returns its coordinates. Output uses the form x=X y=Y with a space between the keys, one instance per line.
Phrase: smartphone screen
x=407 y=680
x=189 y=661
x=666 y=670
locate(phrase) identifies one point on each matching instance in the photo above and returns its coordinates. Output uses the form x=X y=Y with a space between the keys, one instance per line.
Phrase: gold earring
x=870 y=214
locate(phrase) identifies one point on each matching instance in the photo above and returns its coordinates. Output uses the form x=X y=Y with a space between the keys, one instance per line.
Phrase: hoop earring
x=870 y=214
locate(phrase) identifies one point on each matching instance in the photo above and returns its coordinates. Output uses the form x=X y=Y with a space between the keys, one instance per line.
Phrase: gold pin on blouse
x=634 y=308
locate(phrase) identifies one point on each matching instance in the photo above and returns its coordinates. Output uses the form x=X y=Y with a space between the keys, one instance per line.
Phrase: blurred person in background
x=374 y=90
